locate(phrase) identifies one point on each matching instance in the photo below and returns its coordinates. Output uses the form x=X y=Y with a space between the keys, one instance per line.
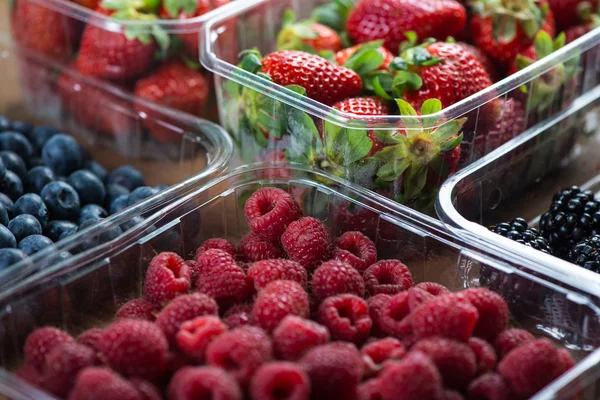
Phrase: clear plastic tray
x=28 y=94
x=86 y=290
x=256 y=23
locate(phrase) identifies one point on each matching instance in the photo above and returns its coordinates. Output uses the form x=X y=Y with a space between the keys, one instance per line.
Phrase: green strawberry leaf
x=121 y=4
x=430 y=107
x=385 y=80
x=448 y=130
x=390 y=153
x=387 y=136
x=328 y=55
x=420 y=56
x=451 y=144
x=251 y=63
x=264 y=76
x=161 y=36
x=411 y=41
x=504 y=27
x=305 y=140
x=365 y=62
x=412 y=124
x=379 y=90
x=363 y=172
x=543 y=45
x=345 y=146
x=393 y=169
x=414 y=182
x=559 y=41
x=288 y=18
x=523 y=62
x=176 y=7
x=297 y=88
x=398 y=64
x=334 y=14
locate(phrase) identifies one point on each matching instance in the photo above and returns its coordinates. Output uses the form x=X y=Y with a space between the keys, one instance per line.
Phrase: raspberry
x=277 y=300
x=100 y=383
x=417 y=296
x=135 y=348
x=240 y=351
x=137 y=309
x=566 y=361
x=194 y=335
x=355 y=249
x=387 y=277
x=63 y=363
x=307 y=242
x=392 y=315
x=294 y=336
x=369 y=390
x=335 y=277
x=452 y=395
x=40 y=342
x=335 y=369
x=181 y=309
x=269 y=211
x=450 y=316
x=347 y=318
x=193 y=266
x=238 y=315
x=376 y=305
x=212 y=259
x=280 y=381
x=145 y=389
x=30 y=374
x=454 y=360
x=485 y=355
x=227 y=283
x=263 y=272
x=190 y=383
x=384 y=349
x=530 y=367
x=168 y=276
x=511 y=339
x=489 y=387
x=412 y=378
x=492 y=309
x=253 y=248
x=216 y=243
x=433 y=288
x=91 y=338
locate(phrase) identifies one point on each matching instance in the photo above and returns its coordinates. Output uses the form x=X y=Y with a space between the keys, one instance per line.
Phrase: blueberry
x=32 y=204
x=56 y=228
x=4 y=218
x=63 y=154
x=14 y=163
x=131 y=223
x=8 y=204
x=39 y=135
x=24 y=225
x=62 y=200
x=126 y=176
x=106 y=236
x=97 y=169
x=11 y=185
x=67 y=233
x=160 y=188
x=17 y=143
x=141 y=193
x=118 y=204
x=87 y=185
x=34 y=243
x=113 y=191
x=37 y=178
x=9 y=257
x=21 y=127
x=92 y=211
x=5 y=123
x=36 y=162
x=7 y=239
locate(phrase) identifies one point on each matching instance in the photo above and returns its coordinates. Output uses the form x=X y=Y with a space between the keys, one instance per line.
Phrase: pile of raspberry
x=290 y=315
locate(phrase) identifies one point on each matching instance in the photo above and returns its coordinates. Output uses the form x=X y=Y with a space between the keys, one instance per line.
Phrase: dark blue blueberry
x=92 y=211
x=34 y=243
x=8 y=204
x=161 y=187
x=2 y=170
x=36 y=162
x=63 y=154
x=11 y=185
x=126 y=176
x=87 y=185
x=21 y=127
x=131 y=223
x=118 y=204
x=32 y=204
x=17 y=143
x=37 y=178
x=141 y=193
x=56 y=228
x=97 y=169
x=9 y=257
x=67 y=233
x=4 y=218
x=14 y=163
x=62 y=201
x=39 y=135
x=62 y=179
x=5 y=123
x=24 y=225
x=7 y=239
x=114 y=191
x=106 y=236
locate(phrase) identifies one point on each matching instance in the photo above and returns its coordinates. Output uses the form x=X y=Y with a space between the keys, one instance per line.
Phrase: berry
x=309 y=35
x=269 y=211
x=11 y=186
x=393 y=316
x=240 y=351
x=280 y=381
x=511 y=339
x=145 y=389
x=37 y=178
x=489 y=387
x=87 y=185
x=586 y=254
x=191 y=383
x=194 y=335
x=369 y=390
x=566 y=361
x=355 y=249
x=135 y=348
x=450 y=316
x=101 y=383
x=452 y=395
x=91 y=338
x=34 y=243
x=24 y=225
x=294 y=336
x=216 y=243
x=415 y=377
x=181 y=309
x=485 y=354
x=376 y=305
x=253 y=248
x=343 y=55
x=7 y=239
x=63 y=154
x=277 y=300
x=347 y=318
x=63 y=363
x=17 y=143
x=40 y=342
x=30 y=374
x=62 y=200
x=168 y=276
x=92 y=211
x=263 y=272
x=483 y=59
x=118 y=204
x=140 y=193
x=39 y=135
x=416 y=297
x=335 y=277
x=212 y=259
x=12 y=162
x=4 y=218
x=384 y=349
x=55 y=229
x=127 y=177
x=113 y=191
x=492 y=310
x=306 y=241
x=137 y=309
x=224 y=281
x=387 y=277
x=32 y=204
x=9 y=257
x=519 y=231
x=238 y=315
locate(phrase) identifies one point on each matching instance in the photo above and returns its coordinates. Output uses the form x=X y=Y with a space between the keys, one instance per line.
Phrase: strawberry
x=91 y=4
x=569 y=13
x=342 y=56
x=389 y=20
x=510 y=123
x=588 y=23
x=306 y=35
x=483 y=59
x=175 y=85
x=502 y=29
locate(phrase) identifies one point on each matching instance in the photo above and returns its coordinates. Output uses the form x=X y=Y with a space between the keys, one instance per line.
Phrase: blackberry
x=520 y=232
x=587 y=253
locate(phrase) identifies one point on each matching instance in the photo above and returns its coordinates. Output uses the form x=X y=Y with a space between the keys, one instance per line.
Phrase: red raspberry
x=566 y=361
x=485 y=354
x=393 y=314
x=63 y=363
x=263 y=272
x=433 y=288
x=280 y=381
x=417 y=296
x=387 y=277
x=181 y=309
x=452 y=395
x=145 y=389
x=168 y=276
x=454 y=360
x=269 y=211
x=194 y=335
x=137 y=309
x=355 y=249
x=277 y=300
x=347 y=318
x=369 y=390
x=306 y=241
x=240 y=351
x=193 y=266
x=216 y=243
x=450 y=316
x=335 y=370
x=412 y=378
x=335 y=277
x=253 y=248
x=376 y=305
x=294 y=336
x=100 y=383
x=511 y=339
x=212 y=259
x=91 y=338
x=191 y=383
x=227 y=283
x=489 y=387
x=384 y=349
x=492 y=309
x=530 y=367
x=30 y=374
x=238 y=315
x=40 y=342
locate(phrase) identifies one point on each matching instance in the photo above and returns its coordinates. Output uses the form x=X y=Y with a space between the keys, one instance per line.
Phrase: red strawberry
x=390 y=20
x=568 y=13
x=510 y=123
x=343 y=55
x=483 y=59
x=91 y=4
x=577 y=31
x=306 y=35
